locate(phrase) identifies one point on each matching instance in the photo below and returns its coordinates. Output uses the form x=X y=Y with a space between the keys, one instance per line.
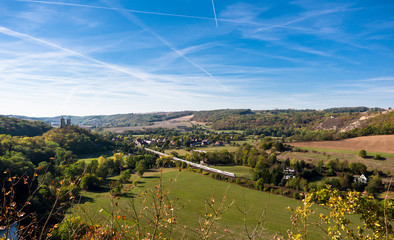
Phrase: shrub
x=125 y=176
x=296 y=195
x=377 y=157
x=259 y=184
x=135 y=183
x=116 y=188
x=362 y=153
x=69 y=228
x=90 y=182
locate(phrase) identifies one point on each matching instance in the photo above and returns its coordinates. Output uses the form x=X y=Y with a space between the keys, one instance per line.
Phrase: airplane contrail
x=116 y=9
x=12 y=33
x=214 y=13
x=139 y=23
x=165 y=14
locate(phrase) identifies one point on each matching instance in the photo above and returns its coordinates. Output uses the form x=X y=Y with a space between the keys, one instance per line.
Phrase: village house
x=140 y=142
x=289 y=173
x=363 y=178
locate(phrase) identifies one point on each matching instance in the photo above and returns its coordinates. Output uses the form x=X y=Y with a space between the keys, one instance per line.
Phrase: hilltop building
x=65 y=123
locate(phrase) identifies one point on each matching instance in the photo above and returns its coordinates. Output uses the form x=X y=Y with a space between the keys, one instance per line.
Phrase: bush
x=125 y=176
x=259 y=184
x=135 y=183
x=116 y=188
x=362 y=153
x=90 y=182
x=377 y=157
x=296 y=195
x=69 y=228
x=238 y=181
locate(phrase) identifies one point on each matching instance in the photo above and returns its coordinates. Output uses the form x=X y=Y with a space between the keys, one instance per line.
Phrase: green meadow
x=385 y=155
x=192 y=189
x=240 y=171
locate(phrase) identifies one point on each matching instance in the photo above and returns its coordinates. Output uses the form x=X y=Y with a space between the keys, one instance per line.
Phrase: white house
x=363 y=178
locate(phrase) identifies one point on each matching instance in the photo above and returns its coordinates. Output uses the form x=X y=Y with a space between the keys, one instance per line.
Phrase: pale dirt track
x=382 y=143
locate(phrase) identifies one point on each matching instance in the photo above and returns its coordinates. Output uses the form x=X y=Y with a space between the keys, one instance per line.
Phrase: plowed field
x=382 y=143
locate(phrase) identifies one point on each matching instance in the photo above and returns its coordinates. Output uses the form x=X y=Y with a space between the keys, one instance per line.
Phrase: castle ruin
x=65 y=123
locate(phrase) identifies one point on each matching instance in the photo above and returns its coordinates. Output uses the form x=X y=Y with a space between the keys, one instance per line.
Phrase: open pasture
x=193 y=189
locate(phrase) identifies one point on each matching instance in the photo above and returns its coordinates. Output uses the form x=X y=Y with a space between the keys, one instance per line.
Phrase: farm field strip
x=376 y=144
x=386 y=155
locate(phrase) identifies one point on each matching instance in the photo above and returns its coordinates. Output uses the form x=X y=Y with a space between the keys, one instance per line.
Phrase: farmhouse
x=289 y=173
x=363 y=178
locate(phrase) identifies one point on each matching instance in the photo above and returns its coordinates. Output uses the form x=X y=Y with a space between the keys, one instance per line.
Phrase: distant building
x=364 y=178
x=289 y=173
x=140 y=142
x=63 y=122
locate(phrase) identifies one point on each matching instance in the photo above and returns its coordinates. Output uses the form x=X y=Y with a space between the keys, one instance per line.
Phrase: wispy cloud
x=109 y=56
x=229 y=19
x=10 y=32
x=378 y=79
x=135 y=20
x=139 y=23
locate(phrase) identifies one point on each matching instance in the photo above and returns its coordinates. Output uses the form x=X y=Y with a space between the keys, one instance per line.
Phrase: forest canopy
x=19 y=127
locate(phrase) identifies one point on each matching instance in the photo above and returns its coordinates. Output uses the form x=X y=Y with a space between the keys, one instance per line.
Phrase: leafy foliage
x=19 y=127
x=376 y=220
x=78 y=140
x=302 y=125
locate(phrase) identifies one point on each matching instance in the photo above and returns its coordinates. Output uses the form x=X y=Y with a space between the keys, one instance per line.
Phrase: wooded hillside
x=19 y=127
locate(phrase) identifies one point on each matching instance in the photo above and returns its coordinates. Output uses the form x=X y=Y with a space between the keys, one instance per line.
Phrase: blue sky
x=116 y=56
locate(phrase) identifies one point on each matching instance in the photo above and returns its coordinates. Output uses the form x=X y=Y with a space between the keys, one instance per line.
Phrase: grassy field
x=192 y=189
x=315 y=154
x=179 y=151
x=88 y=157
x=385 y=155
x=240 y=171
x=230 y=131
x=219 y=148
x=228 y=147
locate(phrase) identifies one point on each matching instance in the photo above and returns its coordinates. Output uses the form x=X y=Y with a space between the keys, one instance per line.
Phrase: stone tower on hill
x=63 y=122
